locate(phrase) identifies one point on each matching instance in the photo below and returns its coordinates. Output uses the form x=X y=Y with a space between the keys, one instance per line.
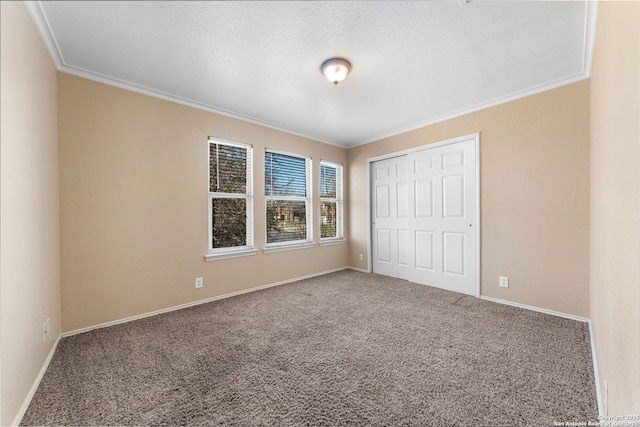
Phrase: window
x=230 y=199
x=330 y=200
x=287 y=182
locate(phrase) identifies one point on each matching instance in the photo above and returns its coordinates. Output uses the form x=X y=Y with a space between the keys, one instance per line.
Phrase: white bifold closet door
x=424 y=216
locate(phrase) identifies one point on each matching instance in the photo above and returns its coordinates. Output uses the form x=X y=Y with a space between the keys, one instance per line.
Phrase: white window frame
x=248 y=248
x=308 y=200
x=338 y=200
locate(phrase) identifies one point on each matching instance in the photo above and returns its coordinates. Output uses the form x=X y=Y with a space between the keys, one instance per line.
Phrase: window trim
x=292 y=244
x=338 y=200
x=232 y=251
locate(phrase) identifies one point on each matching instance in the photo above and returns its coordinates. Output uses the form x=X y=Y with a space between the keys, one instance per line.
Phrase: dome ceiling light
x=335 y=69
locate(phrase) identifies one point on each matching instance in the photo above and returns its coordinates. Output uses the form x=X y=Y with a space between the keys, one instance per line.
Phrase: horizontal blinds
x=330 y=200
x=285 y=175
x=339 y=182
x=327 y=181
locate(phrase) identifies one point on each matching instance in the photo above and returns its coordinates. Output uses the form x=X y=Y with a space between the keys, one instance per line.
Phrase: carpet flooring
x=347 y=348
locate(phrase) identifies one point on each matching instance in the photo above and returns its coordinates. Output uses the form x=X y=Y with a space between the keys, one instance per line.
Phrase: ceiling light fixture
x=335 y=69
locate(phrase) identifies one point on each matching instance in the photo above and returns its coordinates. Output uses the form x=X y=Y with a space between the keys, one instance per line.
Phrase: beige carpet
x=347 y=348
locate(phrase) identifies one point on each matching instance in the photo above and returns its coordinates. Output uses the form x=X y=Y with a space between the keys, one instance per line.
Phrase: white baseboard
x=595 y=370
x=361 y=270
x=566 y=316
x=538 y=309
x=35 y=385
x=191 y=304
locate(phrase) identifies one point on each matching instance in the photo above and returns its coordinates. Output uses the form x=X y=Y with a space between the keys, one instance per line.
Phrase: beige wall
x=534 y=195
x=133 y=205
x=29 y=245
x=615 y=210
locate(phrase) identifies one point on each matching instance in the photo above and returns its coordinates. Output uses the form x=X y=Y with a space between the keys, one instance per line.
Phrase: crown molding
x=590 y=18
x=477 y=107
x=591 y=21
x=132 y=87
x=42 y=24
x=44 y=28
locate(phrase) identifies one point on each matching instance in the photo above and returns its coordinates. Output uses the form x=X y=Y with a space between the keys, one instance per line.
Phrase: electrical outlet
x=199 y=283
x=361 y=257
x=45 y=330
x=504 y=282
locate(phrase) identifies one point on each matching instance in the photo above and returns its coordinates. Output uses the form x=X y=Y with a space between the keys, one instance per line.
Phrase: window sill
x=333 y=241
x=230 y=254
x=291 y=247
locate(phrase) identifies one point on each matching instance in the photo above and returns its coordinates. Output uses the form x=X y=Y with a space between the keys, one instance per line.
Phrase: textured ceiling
x=414 y=63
